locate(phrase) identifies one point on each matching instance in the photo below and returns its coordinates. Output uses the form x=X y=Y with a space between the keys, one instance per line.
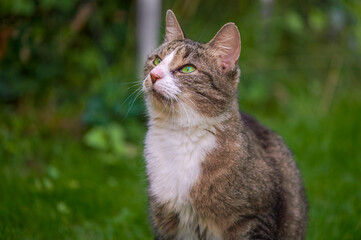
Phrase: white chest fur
x=174 y=158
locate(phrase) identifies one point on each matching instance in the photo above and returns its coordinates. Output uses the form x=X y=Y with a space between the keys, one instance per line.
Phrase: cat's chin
x=156 y=95
x=159 y=102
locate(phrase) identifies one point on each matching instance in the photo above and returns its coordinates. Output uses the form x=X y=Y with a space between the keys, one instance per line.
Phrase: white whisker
x=138 y=93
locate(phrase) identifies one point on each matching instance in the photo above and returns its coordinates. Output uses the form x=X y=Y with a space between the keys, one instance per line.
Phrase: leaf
x=23 y=7
x=96 y=138
x=53 y=172
x=317 y=20
x=109 y=137
x=63 y=208
x=294 y=22
x=116 y=138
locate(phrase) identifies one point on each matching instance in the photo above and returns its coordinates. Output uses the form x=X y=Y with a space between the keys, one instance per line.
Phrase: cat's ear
x=173 y=31
x=227 y=46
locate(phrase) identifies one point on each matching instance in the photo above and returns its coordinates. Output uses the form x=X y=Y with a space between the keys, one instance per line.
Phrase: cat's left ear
x=227 y=46
x=173 y=31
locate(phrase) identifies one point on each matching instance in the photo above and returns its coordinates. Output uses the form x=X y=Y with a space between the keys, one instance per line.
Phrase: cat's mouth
x=157 y=95
x=152 y=91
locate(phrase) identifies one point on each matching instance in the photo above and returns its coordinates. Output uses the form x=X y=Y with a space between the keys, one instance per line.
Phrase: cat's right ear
x=173 y=31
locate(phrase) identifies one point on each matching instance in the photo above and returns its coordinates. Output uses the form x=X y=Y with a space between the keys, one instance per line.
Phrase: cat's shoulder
x=254 y=125
x=265 y=136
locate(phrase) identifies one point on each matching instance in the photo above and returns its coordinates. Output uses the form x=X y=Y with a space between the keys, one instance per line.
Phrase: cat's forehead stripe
x=168 y=58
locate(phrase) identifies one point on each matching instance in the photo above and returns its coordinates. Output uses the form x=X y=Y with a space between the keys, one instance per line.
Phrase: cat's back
x=269 y=141
x=294 y=201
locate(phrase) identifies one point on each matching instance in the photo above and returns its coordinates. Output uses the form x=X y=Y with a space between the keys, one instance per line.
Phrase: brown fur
x=249 y=187
x=257 y=192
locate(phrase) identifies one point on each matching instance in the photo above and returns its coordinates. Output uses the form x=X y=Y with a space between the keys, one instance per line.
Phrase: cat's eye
x=187 y=69
x=157 y=61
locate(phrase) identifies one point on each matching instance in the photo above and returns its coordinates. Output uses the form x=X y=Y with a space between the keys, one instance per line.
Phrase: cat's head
x=187 y=81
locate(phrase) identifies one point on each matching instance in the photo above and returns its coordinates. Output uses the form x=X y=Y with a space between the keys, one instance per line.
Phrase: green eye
x=156 y=61
x=187 y=69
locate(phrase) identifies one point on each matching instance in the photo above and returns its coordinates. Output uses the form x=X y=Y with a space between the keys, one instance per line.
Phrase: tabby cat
x=213 y=172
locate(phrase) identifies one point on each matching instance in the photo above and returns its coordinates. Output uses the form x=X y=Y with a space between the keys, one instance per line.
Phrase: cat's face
x=186 y=77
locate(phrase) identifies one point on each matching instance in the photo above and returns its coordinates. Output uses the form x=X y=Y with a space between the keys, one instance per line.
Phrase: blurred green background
x=72 y=129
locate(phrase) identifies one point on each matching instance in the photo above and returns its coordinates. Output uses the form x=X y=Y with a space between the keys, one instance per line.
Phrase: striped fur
x=214 y=173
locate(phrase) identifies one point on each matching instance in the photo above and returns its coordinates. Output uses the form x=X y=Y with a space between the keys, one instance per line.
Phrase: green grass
x=54 y=186
x=60 y=179
x=327 y=149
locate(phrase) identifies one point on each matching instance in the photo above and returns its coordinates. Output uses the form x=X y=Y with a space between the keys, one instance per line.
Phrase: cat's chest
x=174 y=158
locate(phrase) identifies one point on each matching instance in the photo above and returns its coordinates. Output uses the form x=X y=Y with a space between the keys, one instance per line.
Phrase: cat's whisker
x=170 y=109
x=138 y=93
x=180 y=107
x=178 y=104
x=185 y=111
x=114 y=94
x=173 y=109
x=126 y=83
x=196 y=107
x=131 y=95
x=160 y=112
x=169 y=103
x=136 y=85
x=169 y=91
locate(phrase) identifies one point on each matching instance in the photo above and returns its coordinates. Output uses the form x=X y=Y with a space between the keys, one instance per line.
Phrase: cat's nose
x=155 y=76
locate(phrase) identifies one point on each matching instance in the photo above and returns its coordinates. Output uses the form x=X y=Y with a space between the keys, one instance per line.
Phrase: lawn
x=72 y=125
x=55 y=185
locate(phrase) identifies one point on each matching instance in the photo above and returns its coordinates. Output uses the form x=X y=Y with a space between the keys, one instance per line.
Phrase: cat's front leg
x=246 y=229
x=165 y=222
x=165 y=227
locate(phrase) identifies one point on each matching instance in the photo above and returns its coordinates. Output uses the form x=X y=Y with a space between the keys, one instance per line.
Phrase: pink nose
x=155 y=75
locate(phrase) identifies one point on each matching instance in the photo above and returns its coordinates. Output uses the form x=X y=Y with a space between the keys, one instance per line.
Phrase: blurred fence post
x=148 y=25
x=266 y=15
x=266 y=8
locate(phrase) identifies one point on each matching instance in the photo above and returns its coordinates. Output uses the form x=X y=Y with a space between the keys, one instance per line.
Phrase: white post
x=148 y=26
x=266 y=9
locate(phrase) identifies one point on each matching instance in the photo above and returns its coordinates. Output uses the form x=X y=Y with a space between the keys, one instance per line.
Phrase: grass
x=300 y=77
x=327 y=149
x=54 y=186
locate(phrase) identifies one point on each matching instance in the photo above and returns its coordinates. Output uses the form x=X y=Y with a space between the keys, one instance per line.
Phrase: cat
x=213 y=172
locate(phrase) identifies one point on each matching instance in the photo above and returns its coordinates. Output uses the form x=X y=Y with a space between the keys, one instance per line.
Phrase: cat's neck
x=190 y=119
x=188 y=122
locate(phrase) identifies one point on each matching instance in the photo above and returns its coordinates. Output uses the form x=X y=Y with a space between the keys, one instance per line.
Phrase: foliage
x=72 y=121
